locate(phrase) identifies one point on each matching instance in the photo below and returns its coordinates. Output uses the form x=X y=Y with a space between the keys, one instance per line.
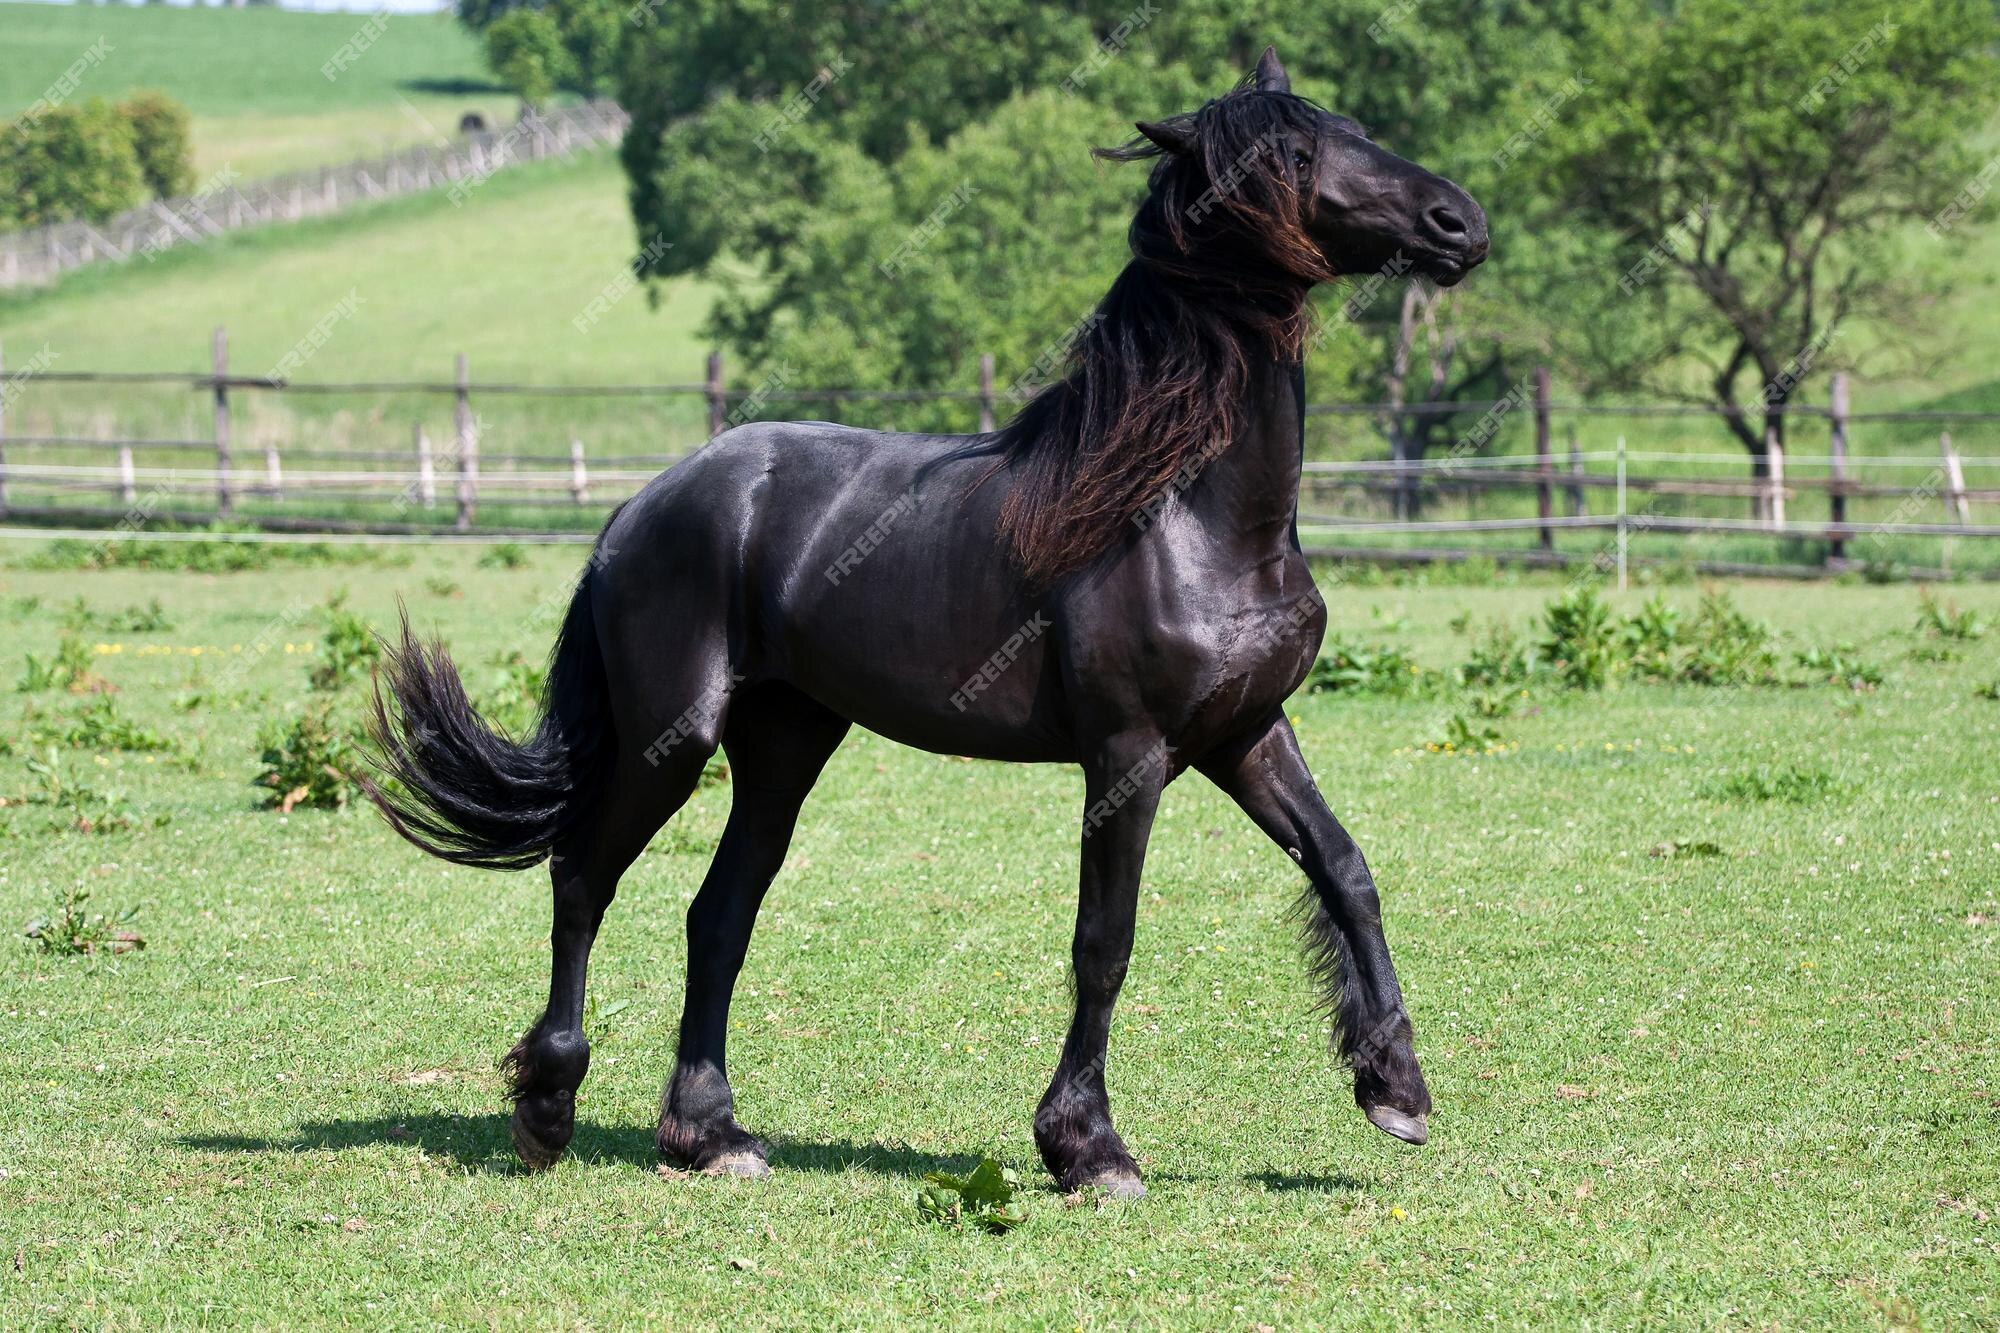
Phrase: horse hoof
x=1119 y=1185
x=1399 y=1124
x=534 y=1154
x=742 y=1165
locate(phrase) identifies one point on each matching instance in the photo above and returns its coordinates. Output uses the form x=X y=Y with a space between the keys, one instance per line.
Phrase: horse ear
x=1271 y=76
x=1175 y=136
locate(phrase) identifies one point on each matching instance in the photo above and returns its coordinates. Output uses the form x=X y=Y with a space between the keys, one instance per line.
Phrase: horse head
x=1265 y=173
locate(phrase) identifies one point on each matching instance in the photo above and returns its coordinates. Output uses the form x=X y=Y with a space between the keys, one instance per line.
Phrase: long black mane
x=1220 y=271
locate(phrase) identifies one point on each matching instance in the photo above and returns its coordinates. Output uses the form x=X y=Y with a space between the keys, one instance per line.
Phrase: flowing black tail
x=467 y=793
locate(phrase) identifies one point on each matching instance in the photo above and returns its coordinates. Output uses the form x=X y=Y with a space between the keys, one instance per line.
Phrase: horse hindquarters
x=669 y=701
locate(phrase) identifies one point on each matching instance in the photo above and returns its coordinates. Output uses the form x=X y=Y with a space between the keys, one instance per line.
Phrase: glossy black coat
x=791 y=580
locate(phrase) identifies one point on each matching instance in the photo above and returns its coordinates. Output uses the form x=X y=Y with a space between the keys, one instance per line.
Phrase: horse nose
x=1455 y=222
x=1446 y=221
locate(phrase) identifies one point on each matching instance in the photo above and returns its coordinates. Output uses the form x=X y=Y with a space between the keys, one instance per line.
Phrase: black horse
x=1112 y=580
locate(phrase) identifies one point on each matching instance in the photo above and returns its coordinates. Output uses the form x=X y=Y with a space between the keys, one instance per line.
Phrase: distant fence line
x=419 y=480
x=43 y=253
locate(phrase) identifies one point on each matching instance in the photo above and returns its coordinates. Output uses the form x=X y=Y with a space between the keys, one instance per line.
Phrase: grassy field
x=404 y=285
x=1753 y=1082
x=252 y=77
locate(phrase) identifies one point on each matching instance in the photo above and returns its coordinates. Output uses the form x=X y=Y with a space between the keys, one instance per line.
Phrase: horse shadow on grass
x=837 y=1156
x=476 y=1142
x=1340 y=1182
x=482 y=1143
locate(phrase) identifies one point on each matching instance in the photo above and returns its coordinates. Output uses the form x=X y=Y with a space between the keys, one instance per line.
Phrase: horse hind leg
x=548 y=1064
x=777 y=740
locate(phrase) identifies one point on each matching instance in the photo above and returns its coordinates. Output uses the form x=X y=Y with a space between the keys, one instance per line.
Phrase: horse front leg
x=1122 y=784
x=1267 y=776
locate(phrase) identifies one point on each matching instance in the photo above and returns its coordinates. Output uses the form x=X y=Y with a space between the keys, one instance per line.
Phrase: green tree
x=806 y=159
x=593 y=32
x=1739 y=184
x=479 y=15
x=893 y=288
x=557 y=45
x=162 y=136
x=72 y=161
x=525 y=50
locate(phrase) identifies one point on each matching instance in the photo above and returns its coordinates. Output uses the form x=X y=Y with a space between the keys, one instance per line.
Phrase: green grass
x=1753 y=1088
x=252 y=77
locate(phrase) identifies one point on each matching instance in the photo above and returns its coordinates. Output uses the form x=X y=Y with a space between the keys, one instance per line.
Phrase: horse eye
x=1301 y=159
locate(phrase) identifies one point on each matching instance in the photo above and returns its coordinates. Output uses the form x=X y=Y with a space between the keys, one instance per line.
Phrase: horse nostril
x=1446 y=220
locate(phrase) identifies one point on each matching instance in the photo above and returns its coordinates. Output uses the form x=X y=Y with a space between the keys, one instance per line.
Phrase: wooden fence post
x=1774 y=452
x=1576 y=503
x=1624 y=525
x=718 y=407
x=579 y=477
x=468 y=450
x=985 y=393
x=225 y=503
x=3 y=433
x=427 y=491
x=1836 y=547
x=128 y=480
x=274 y=476
x=1954 y=482
x=1544 y=469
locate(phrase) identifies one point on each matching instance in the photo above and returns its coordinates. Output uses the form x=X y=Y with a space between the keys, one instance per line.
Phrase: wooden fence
x=41 y=254
x=418 y=486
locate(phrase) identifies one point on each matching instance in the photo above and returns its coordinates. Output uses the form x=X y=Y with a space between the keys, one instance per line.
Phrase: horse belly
x=916 y=646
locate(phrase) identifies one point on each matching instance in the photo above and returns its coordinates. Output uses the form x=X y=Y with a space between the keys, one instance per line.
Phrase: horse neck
x=1252 y=488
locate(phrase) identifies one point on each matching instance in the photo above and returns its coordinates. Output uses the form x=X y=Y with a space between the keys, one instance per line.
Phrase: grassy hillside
x=253 y=77
x=403 y=286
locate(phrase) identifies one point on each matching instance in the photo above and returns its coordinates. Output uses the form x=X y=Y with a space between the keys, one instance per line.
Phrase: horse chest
x=1271 y=652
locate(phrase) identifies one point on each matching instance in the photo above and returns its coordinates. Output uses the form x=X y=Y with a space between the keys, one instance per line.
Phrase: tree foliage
x=541 y=49
x=77 y=160
x=92 y=159
x=797 y=171
x=163 y=137
x=525 y=50
x=1747 y=175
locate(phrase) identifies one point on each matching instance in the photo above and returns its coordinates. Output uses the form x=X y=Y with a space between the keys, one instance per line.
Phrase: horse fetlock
x=717 y=1147
x=547 y=1059
x=698 y=1128
x=1074 y=1135
x=1099 y=1161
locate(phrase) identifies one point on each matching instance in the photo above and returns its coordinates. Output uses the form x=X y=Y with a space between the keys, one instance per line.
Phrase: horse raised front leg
x=1122 y=785
x=1268 y=777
